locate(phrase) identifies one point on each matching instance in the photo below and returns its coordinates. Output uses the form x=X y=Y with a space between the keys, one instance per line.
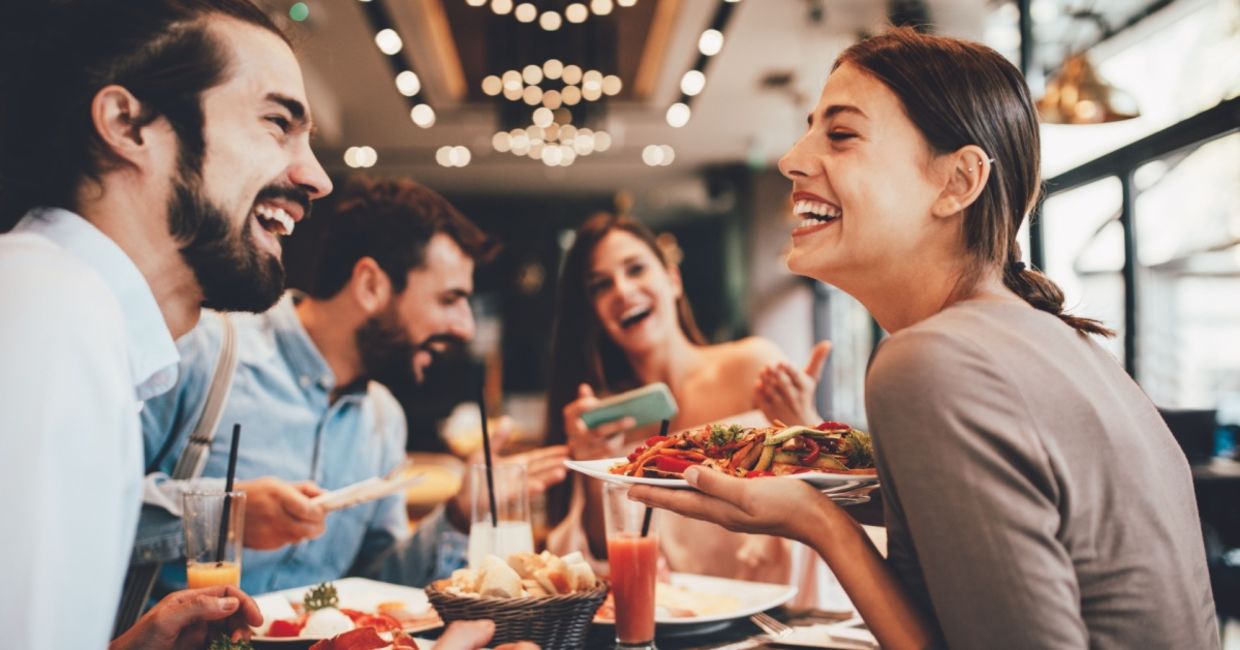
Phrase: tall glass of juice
x=213 y=558
x=633 y=558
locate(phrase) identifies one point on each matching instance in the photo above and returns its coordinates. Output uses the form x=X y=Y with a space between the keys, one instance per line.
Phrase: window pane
x=1084 y=248
x=1188 y=243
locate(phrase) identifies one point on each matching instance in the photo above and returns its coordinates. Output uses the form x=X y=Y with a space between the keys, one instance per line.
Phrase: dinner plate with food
x=694 y=604
x=825 y=456
x=330 y=609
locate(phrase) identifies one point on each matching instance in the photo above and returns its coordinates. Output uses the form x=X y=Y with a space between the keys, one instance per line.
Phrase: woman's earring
x=989 y=160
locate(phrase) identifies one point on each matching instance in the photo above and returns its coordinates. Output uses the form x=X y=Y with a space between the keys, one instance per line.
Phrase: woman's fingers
x=817 y=358
x=689 y=503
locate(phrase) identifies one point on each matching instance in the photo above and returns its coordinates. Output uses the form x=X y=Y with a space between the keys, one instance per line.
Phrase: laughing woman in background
x=1034 y=497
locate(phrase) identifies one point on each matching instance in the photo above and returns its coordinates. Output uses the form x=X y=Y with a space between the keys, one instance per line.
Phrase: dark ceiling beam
x=379 y=18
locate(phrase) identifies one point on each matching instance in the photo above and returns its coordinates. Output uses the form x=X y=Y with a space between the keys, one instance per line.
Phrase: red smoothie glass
x=633 y=560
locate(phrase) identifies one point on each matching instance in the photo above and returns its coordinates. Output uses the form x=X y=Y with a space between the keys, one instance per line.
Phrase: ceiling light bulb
x=551 y=132
x=526 y=12
x=512 y=79
x=512 y=94
x=492 y=85
x=388 y=41
x=600 y=7
x=520 y=140
x=576 y=13
x=408 y=83
x=710 y=42
x=460 y=156
x=367 y=156
x=612 y=85
x=570 y=95
x=552 y=155
x=602 y=141
x=502 y=142
x=475 y=3
x=532 y=74
x=550 y=21
x=592 y=77
x=501 y=7
x=423 y=115
x=678 y=115
x=692 y=83
x=568 y=133
x=571 y=75
x=350 y=157
x=583 y=144
x=567 y=156
x=652 y=155
x=626 y=3
x=536 y=149
x=543 y=116
x=552 y=99
x=532 y=95
x=668 y=156
x=564 y=117
x=535 y=133
x=553 y=68
x=443 y=156
x=592 y=93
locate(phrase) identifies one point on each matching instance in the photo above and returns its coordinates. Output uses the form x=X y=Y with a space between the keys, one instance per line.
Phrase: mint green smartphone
x=650 y=403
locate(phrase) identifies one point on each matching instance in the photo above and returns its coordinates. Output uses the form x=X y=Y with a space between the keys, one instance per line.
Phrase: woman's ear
x=678 y=285
x=370 y=286
x=966 y=171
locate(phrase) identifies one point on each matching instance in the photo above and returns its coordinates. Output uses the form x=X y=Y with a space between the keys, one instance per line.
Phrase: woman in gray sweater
x=1033 y=496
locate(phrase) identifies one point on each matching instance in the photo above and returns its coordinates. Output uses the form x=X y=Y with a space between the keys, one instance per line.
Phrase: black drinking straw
x=486 y=444
x=667 y=424
x=228 y=488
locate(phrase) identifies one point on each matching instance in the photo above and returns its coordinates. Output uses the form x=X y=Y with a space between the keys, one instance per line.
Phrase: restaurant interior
x=532 y=117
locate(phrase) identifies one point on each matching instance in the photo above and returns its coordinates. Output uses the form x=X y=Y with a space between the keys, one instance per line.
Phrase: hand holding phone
x=648 y=404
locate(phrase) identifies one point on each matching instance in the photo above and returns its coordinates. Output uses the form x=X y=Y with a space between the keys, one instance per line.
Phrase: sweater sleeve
x=973 y=504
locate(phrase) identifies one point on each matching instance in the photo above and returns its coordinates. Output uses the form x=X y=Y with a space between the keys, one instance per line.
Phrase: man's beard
x=232 y=272
x=387 y=351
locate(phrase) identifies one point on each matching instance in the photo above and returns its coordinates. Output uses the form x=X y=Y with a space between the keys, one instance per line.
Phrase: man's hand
x=787 y=394
x=278 y=513
x=183 y=619
x=471 y=635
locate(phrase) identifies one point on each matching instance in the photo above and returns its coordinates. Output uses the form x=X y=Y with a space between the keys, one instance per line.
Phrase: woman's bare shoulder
x=747 y=355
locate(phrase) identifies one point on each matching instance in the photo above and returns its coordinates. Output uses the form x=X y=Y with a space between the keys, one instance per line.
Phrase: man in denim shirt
x=391 y=288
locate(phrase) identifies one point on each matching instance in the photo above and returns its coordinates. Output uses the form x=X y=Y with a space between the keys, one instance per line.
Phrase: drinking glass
x=513 y=533
x=212 y=559
x=633 y=559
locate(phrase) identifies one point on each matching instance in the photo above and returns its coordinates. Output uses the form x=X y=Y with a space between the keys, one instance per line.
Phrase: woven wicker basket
x=553 y=622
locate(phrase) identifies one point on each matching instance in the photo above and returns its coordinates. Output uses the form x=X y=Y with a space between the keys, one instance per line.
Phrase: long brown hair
x=959 y=93
x=581 y=352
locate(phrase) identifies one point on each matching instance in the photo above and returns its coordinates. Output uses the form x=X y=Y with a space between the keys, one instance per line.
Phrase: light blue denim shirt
x=291 y=429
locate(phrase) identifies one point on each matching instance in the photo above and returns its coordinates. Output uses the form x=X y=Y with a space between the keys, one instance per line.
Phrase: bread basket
x=553 y=622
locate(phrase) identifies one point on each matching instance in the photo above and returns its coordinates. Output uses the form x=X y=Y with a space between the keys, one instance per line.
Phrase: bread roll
x=499 y=579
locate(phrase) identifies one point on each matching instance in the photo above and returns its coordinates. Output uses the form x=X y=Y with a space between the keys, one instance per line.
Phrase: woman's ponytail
x=1041 y=292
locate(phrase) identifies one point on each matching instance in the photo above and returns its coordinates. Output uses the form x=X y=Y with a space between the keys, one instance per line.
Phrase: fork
x=772 y=627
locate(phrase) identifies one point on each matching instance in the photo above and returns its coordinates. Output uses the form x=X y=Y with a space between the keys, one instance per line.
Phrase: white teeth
x=278 y=215
x=816 y=208
x=631 y=312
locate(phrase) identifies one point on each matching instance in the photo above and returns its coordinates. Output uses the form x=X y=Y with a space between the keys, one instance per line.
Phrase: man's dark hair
x=58 y=54
x=390 y=221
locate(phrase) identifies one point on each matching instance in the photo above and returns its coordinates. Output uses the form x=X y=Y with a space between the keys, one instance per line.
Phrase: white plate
x=754 y=596
x=599 y=469
x=355 y=593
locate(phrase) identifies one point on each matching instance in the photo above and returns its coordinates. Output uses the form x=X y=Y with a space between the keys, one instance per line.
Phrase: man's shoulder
x=42 y=285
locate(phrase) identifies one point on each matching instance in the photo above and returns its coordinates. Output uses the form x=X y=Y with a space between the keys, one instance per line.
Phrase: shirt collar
x=152 y=352
x=296 y=346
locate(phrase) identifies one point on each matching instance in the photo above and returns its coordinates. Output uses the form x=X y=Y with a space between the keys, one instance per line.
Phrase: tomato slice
x=381 y=622
x=673 y=464
x=285 y=627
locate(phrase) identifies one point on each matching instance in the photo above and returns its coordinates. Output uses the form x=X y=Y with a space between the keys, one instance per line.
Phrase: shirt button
x=305 y=381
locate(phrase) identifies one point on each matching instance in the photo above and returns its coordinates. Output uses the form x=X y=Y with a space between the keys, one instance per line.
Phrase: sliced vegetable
x=764 y=461
x=673 y=464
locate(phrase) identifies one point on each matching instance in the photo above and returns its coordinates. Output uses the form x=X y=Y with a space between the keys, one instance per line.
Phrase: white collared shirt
x=82 y=343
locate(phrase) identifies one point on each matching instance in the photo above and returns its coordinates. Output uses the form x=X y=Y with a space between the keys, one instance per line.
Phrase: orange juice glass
x=202 y=514
x=633 y=560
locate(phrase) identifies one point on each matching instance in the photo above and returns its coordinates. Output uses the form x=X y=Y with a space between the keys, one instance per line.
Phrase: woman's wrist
x=814 y=527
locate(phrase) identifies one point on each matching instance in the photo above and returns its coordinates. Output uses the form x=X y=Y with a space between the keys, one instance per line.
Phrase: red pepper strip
x=284 y=628
x=808 y=459
x=653 y=440
x=645 y=457
x=673 y=464
x=832 y=425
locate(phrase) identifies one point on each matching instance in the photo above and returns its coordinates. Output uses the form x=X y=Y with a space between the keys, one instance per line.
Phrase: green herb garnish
x=860 y=450
x=321 y=597
x=721 y=435
x=225 y=643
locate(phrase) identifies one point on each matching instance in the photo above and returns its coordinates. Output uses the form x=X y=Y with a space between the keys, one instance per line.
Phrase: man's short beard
x=232 y=273
x=385 y=348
